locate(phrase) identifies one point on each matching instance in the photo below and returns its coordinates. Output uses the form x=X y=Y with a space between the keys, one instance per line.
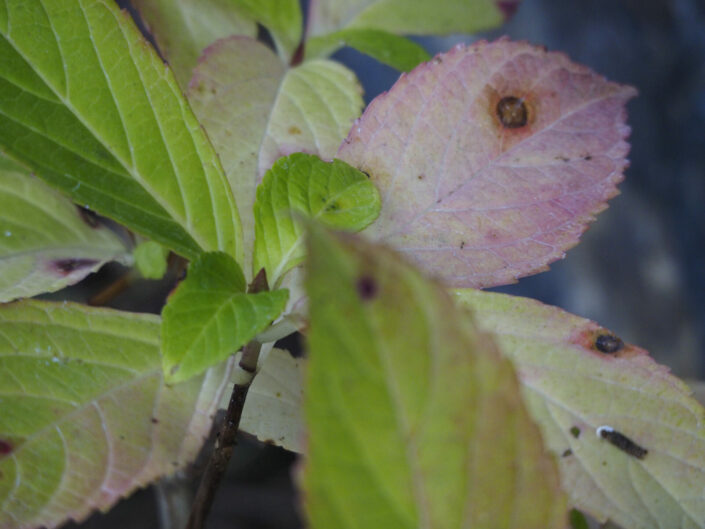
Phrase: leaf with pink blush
x=491 y=159
x=85 y=415
x=629 y=436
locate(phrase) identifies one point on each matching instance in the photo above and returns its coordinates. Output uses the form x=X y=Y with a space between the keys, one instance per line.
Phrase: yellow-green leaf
x=302 y=185
x=85 y=416
x=414 y=419
x=210 y=316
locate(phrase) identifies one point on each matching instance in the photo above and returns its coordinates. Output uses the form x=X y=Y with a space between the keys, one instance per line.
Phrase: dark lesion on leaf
x=6 y=448
x=512 y=112
x=575 y=431
x=367 y=287
x=567 y=453
x=67 y=266
x=608 y=343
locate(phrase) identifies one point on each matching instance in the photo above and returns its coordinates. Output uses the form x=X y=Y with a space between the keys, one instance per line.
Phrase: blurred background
x=638 y=270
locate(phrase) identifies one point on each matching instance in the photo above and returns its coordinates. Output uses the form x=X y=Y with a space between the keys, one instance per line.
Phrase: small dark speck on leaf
x=567 y=453
x=421 y=177
x=462 y=244
x=334 y=206
x=155 y=420
x=608 y=343
x=575 y=431
x=366 y=287
x=5 y=448
x=587 y=157
x=66 y=266
x=512 y=112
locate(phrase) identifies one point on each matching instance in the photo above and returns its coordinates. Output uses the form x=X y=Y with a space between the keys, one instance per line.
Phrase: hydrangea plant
x=423 y=401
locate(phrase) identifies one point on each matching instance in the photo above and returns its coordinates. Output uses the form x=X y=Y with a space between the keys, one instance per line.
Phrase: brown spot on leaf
x=462 y=244
x=512 y=112
x=155 y=420
x=421 y=177
x=604 y=343
x=608 y=343
x=293 y=130
x=67 y=266
x=567 y=453
x=367 y=288
x=5 y=448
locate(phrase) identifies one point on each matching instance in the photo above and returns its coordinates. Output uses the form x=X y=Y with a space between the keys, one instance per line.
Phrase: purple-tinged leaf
x=491 y=159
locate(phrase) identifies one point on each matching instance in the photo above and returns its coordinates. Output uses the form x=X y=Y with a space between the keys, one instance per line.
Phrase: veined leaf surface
x=86 y=417
x=337 y=195
x=86 y=102
x=210 y=316
x=256 y=110
x=578 y=377
x=46 y=242
x=414 y=419
x=409 y=17
x=184 y=28
x=491 y=159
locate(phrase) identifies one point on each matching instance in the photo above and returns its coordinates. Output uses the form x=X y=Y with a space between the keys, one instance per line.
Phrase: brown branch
x=227 y=435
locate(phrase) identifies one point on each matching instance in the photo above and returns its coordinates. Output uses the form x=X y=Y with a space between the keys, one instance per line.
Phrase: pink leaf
x=491 y=159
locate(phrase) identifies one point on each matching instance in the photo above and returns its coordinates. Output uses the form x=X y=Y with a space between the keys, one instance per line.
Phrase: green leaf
x=397 y=52
x=337 y=195
x=86 y=417
x=414 y=17
x=281 y=17
x=46 y=242
x=184 y=28
x=578 y=377
x=272 y=411
x=88 y=105
x=151 y=259
x=209 y=316
x=414 y=419
x=256 y=110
